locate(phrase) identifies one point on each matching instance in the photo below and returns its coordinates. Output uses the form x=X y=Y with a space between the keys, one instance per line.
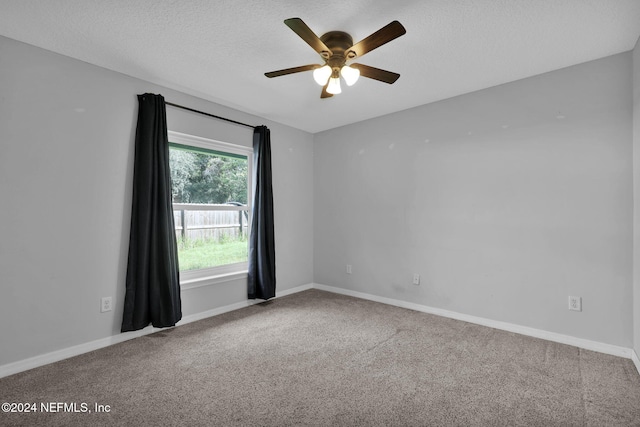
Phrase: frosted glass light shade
x=350 y=75
x=321 y=75
x=334 y=86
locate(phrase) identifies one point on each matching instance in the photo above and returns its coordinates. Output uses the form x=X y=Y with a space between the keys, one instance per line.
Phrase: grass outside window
x=205 y=253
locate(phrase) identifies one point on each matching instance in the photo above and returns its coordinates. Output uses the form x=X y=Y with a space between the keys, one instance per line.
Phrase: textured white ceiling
x=219 y=50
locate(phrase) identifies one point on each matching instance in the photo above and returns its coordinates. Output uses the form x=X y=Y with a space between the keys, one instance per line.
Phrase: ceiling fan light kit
x=321 y=75
x=335 y=49
x=350 y=75
x=334 y=86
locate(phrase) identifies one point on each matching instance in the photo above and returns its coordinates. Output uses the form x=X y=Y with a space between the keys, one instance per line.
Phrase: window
x=211 y=189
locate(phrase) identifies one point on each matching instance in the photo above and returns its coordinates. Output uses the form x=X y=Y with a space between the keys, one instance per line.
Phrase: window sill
x=212 y=280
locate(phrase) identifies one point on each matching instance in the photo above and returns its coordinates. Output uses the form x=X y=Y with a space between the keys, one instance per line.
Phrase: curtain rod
x=210 y=115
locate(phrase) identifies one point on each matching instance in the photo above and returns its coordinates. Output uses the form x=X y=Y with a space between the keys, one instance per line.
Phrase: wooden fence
x=210 y=224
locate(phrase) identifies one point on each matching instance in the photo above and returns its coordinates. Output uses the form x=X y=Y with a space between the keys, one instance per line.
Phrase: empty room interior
x=456 y=235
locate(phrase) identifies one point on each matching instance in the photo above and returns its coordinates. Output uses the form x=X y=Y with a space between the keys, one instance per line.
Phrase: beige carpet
x=316 y=358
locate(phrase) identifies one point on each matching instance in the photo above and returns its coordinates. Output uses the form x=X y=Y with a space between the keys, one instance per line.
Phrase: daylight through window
x=210 y=186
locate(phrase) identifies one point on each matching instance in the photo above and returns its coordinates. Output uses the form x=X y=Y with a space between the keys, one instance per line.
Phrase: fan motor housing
x=339 y=42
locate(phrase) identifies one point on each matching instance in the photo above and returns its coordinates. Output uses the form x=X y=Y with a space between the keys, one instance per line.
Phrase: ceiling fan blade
x=380 y=37
x=305 y=33
x=324 y=93
x=292 y=70
x=376 y=73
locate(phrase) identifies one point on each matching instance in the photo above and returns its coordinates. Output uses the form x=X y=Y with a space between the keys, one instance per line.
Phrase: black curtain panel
x=152 y=284
x=262 y=253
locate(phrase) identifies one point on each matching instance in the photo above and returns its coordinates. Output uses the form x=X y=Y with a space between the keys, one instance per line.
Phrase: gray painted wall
x=66 y=131
x=636 y=198
x=502 y=208
x=505 y=201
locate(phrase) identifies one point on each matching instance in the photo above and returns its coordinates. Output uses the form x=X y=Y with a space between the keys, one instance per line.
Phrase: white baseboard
x=510 y=327
x=76 y=350
x=65 y=353
x=55 y=356
x=237 y=306
x=294 y=290
x=636 y=360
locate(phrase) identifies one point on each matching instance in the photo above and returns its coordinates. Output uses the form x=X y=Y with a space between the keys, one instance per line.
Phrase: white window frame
x=208 y=276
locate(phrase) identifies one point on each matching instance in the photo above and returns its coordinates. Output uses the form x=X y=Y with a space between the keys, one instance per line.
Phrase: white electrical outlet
x=106 y=304
x=416 y=279
x=349 y=271
x=575 y=303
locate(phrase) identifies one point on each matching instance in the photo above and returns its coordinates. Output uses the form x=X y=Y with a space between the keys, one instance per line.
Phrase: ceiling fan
x=336 y=48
